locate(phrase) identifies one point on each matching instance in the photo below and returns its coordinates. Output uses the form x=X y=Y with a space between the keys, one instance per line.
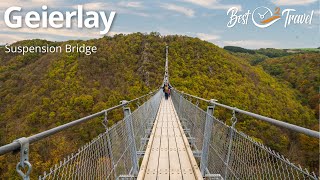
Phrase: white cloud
x=251 y=44
x=131 y=4
x=73 y=32
x=61 y=32
x=45 y=33
x=52 y=35
x=317 y=12
x=292 y=2
x=180 y=9
x=12 y=35
x=207 y=37
x=119 y=8
x=31 y=3
x=92 y=6
x=204 y=3
x=9 y=38
x=213 y=4
x=118 y=32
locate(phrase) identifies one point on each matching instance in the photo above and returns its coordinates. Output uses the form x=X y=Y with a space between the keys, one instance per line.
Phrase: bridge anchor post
x=206 y=139
x=130 y=133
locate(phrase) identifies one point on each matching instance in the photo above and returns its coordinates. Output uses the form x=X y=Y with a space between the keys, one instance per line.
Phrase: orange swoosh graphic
x=270 y=19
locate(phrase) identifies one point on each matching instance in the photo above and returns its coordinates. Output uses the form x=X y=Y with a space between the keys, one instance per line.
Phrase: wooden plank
x=175 y=167
x=186 y=168
x=149 y=150
x=192 y=161
x=163 y=168
x=153 y=163
x=185 y=171
x=168 y=154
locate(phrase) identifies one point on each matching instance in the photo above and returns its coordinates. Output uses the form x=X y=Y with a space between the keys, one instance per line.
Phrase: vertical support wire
x=180 y=104
x=233 y=121
x=110 y=154
x=108 y=143
x=131 y=139
x=206 y=139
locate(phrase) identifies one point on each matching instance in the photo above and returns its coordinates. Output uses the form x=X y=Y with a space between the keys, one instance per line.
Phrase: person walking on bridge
x=166 y=90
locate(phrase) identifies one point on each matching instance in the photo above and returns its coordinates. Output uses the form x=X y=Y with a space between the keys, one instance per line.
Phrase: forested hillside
x=38 y=92
x=302 y=71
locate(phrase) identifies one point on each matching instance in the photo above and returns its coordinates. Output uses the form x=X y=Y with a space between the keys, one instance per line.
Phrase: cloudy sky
x=206 y=19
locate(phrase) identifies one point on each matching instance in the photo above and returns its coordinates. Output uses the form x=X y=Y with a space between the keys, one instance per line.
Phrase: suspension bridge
x=167 y=139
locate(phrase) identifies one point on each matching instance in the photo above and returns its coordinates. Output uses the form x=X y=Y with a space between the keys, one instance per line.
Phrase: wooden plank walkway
x=168 y=154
